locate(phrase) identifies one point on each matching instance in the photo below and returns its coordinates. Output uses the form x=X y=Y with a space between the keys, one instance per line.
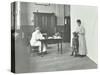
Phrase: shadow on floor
x=55 y=61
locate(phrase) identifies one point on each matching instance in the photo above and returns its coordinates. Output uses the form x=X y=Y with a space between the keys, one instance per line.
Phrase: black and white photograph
x=48 y=37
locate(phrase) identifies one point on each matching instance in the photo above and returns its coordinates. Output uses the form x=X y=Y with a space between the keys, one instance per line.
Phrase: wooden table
x=57 y=41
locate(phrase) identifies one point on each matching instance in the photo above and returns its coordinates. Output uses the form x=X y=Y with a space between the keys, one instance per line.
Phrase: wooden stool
x=33 y=49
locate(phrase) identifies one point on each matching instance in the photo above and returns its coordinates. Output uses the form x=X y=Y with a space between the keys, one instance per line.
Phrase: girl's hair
x=75 y=34
x=79 y=21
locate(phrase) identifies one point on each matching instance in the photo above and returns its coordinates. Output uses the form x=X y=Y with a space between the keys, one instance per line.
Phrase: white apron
x=82 y=41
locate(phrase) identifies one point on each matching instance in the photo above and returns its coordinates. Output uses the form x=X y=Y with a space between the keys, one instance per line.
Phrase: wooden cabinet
x=46 y=22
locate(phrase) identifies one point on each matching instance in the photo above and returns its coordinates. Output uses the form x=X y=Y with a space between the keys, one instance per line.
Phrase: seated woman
x=36 y=36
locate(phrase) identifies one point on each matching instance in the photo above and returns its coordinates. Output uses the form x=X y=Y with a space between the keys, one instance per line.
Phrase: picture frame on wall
x=48 y=37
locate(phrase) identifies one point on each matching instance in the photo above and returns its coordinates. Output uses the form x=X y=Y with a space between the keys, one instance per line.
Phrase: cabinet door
x=67 y=29
x=46 y=22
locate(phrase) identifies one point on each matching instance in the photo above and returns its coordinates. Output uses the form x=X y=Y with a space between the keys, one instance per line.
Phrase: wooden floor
x=54 y=61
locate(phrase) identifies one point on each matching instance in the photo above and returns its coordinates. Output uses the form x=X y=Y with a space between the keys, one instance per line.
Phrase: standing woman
x=82 y=41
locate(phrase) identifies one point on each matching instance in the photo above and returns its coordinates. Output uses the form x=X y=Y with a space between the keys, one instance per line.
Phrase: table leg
x=41 y=48
x=58 y=47
x=61 y=46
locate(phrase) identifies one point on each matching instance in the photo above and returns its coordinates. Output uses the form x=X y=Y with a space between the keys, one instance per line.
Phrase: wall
x=26 y=16
x=27 y=9
x=89 y=17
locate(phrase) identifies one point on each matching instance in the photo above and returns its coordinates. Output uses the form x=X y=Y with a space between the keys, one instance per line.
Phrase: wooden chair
x=33 y=49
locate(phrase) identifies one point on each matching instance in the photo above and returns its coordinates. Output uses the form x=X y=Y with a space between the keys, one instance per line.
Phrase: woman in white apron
x=82 y=41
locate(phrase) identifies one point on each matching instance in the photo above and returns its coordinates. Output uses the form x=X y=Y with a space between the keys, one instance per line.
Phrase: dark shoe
x=45 y=52
x=39 y=53
x=82 y=56
x=76 y=55
x=71 y=55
